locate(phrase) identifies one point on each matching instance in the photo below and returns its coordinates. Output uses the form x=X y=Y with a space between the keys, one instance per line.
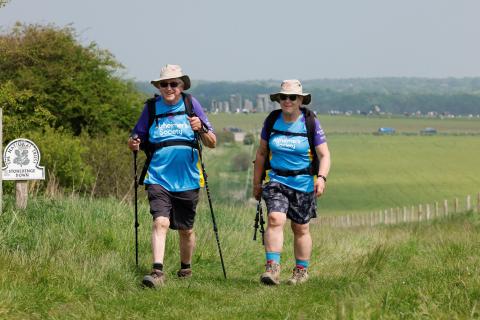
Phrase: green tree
x=76 y=87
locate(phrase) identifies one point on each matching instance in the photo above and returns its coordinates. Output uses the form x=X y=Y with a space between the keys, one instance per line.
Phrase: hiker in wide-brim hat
x=172 y=71
x=169 y=130
x=291 y=87
x=293 y=157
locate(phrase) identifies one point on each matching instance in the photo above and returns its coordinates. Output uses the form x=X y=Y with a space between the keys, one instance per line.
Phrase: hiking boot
x=184 y=273
x=300 y=275
x=154 y=280
x=271 y=276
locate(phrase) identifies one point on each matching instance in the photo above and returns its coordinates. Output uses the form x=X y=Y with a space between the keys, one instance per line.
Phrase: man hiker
x=168 y=130
x=293 y=148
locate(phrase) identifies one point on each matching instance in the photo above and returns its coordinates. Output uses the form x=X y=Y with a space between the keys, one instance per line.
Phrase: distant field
x=356 y=124
x=372 y=172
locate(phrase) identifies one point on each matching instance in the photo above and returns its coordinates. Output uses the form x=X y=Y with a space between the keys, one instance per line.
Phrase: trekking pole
x=135 y=137
x=257 y=217
x=262 y=222
x=215 y=229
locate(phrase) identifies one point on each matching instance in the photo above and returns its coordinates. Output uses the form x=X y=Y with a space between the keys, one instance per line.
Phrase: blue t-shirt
x=289 y=152
x=176 y=168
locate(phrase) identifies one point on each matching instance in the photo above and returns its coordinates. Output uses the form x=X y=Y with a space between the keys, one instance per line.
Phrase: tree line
x=394 y=95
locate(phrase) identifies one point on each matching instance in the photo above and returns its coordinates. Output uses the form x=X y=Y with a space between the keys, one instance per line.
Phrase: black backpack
x=150 y=148
x=310 y=125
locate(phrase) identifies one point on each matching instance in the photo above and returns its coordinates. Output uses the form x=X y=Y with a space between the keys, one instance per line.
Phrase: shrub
x=62 y=156
x=249 y=139
x=241 y=162
x=224 y=137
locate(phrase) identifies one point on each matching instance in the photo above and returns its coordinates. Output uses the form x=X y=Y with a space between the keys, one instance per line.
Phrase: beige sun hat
x=291 y=87
x=172 y=71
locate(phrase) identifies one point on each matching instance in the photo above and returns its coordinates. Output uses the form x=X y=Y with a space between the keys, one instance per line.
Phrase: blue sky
x=273 y=39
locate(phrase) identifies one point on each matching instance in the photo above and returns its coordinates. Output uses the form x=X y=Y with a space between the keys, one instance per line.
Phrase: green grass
x=74 y=259
x=371 y=173
x=356 y=124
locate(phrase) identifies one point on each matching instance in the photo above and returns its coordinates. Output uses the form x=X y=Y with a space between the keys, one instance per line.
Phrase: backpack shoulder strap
x=270 y=122
x=187 y=99
x=151 y=110
x=310 y=125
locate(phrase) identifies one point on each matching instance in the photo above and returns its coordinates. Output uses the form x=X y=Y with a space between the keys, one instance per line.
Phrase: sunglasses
x=173 y=84
x=291 y=97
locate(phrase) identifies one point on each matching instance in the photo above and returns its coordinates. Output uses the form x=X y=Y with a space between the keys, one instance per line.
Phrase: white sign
x=22 y=158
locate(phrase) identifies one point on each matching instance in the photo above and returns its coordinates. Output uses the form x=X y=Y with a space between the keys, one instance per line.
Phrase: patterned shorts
x=299 y=206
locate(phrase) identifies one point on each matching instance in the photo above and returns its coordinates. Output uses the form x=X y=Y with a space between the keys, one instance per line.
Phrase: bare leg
x=159 y=236
x=274 y=232
x=302 y=241
x=187 y=244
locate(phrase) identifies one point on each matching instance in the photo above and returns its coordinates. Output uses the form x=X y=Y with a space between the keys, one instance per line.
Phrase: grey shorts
x=179 y=207
x=299 y=206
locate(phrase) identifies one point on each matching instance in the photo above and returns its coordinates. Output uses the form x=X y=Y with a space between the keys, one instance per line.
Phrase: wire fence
x=421 y=212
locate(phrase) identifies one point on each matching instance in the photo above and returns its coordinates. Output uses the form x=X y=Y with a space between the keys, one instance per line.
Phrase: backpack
x=310 y=125
x=150 y=148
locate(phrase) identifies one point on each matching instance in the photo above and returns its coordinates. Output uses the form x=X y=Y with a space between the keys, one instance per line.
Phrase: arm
x=206 y=135
x=258 y=168
x=208 y=138
x=140 y=130
x=324 y=157
x=201 y=124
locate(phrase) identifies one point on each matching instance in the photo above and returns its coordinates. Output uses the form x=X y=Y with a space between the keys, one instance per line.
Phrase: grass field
x=74 y=259
x=356 y=124
x=373 y=172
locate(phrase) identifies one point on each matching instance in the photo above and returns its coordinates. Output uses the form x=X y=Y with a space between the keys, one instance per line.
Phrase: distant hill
x=394 y=95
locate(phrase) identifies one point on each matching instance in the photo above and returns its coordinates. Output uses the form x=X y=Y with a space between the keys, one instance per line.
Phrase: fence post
x=21 y=193
x=456 y=205
x=478 y=203
x=468 y=203
x=420 y=212
x=445 y=207
x=436 y=209
x=428 y=211
x=412 y=214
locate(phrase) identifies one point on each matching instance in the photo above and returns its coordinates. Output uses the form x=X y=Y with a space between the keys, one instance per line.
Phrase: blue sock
x=273 y=256
x=302 y=264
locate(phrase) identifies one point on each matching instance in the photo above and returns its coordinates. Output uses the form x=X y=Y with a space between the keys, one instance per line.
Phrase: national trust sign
x=22 y=158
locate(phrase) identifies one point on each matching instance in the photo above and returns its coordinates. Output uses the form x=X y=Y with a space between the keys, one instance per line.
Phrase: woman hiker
x=294 y=150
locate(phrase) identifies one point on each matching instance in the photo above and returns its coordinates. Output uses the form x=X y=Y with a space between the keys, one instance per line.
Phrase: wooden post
x=478 y=203
x=428 y=211
x=404 y=214
x=1 y=160
x=436 y=209
x=469 y=206
x=445 y=207
x=412 y=214
x=456 y=205
x=21 y=194
x=420 y=212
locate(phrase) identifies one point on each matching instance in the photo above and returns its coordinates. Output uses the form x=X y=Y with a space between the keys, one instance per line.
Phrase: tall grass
x=74 y=259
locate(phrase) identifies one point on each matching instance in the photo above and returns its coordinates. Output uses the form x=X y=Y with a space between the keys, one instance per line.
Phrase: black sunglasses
x=173 y=84
x=291 y=97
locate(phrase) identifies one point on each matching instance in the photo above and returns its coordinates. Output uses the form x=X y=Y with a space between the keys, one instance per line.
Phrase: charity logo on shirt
x=171 y=129
x=285 y=142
